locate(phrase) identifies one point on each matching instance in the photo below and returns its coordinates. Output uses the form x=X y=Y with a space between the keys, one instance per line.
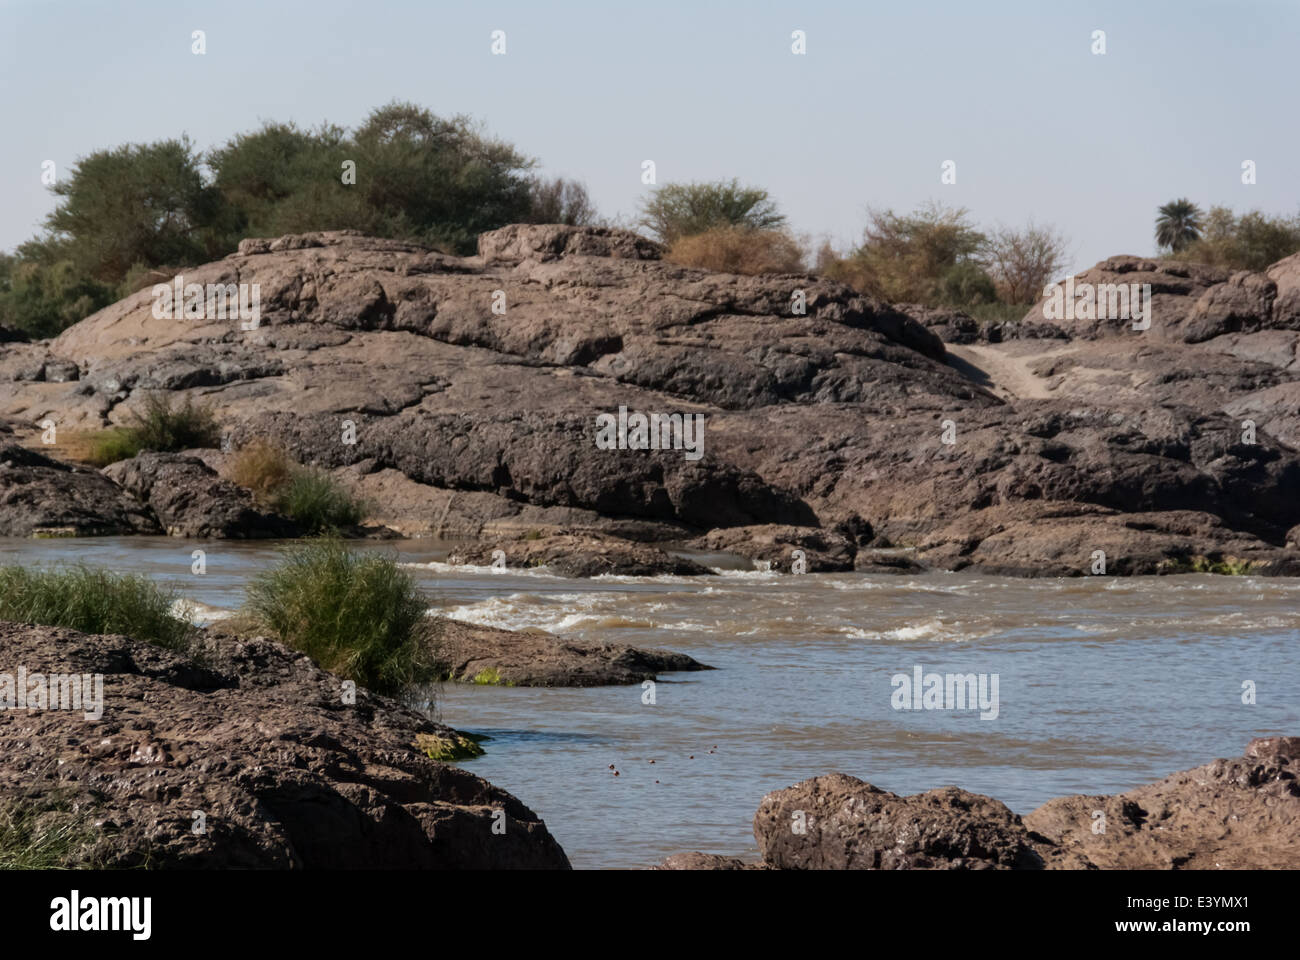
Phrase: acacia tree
x=136 y=204
x=678 y=210
x=1021 y=262
x=905 y=257
x=1178 y=223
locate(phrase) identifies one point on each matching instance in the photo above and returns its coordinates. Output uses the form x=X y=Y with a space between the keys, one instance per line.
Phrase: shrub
x=157 y=426
x=162 y=427
x=317 y=502
x=739 y=250
x=903 y=257
x=560 y=201
x=678 y=210
x=93 y=601
x=101 y=447
x=358 y=615
x=1023 y=261
x=262 y=468
x=1251 y=241
x=966 y=285
x=999 y=312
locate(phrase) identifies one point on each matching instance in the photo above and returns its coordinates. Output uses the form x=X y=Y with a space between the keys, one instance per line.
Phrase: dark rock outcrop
x=838 y=822
x=249 y=756
x=825 y=411
x=42 y=497
x=190 y=500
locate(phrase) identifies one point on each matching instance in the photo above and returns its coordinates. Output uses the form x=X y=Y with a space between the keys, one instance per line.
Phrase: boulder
x=838 y=822
x=472 y=653
x=779 y=547
x=42 y=497
x=1233 y=814
x=191 y=500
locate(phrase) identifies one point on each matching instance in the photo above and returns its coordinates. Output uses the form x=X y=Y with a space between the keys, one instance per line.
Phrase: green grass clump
x=1227 y=567
x=44 y=837
x=490 y=676
x=158 y=426
x=359 y=615
x=317 y=502
x=93 y=601
x=447 y=749
x=112 y=445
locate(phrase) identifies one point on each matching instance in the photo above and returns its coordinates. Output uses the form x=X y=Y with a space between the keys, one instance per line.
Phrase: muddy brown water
x=1103 y=684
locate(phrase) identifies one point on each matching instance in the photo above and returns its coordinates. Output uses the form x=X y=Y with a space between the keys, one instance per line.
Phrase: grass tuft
x=262 y=468
x=48 y=836
x=448 y=749
x=357 y=614
x=317 y=502
x=93 y=601
x=158 y=425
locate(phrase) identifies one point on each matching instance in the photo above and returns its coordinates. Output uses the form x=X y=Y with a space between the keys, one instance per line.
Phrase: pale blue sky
x=1037 y=125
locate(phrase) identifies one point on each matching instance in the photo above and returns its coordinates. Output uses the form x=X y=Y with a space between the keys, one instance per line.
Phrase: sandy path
x=1004 y=373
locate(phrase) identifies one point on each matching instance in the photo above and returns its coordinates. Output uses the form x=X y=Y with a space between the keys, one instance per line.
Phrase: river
x=1102 y=683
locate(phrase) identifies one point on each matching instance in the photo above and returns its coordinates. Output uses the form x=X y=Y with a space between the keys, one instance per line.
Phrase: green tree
x=440 y=181
x=139 y=203
x=678 y=210
x=281 y=179
x=1178 y=223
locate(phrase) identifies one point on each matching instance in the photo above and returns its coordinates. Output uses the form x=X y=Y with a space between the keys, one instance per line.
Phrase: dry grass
x=262 y=468
x=739 y=250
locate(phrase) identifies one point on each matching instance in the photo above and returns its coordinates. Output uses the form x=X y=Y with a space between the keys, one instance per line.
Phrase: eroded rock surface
x=191 y=500
x=261 y=741
x=1177 y=445
x=1235 y=814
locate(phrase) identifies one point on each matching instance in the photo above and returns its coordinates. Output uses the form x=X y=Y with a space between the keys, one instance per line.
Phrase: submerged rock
x=587 y=555
x=246 y=756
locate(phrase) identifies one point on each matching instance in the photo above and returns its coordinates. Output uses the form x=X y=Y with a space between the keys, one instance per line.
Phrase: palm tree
x=1178 y=224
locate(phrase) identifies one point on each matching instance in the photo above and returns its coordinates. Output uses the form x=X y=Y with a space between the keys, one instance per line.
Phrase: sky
x=1038 y=125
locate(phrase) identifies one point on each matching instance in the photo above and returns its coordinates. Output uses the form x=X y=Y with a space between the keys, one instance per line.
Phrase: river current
x=1102 y=683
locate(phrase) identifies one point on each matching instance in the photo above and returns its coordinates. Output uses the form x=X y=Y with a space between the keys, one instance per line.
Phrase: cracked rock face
x=262 y=743
x=474 y=386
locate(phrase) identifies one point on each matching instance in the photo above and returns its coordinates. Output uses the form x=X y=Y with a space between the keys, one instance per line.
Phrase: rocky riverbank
x=845 y=436
x=244 y=754
x=1235 y=814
